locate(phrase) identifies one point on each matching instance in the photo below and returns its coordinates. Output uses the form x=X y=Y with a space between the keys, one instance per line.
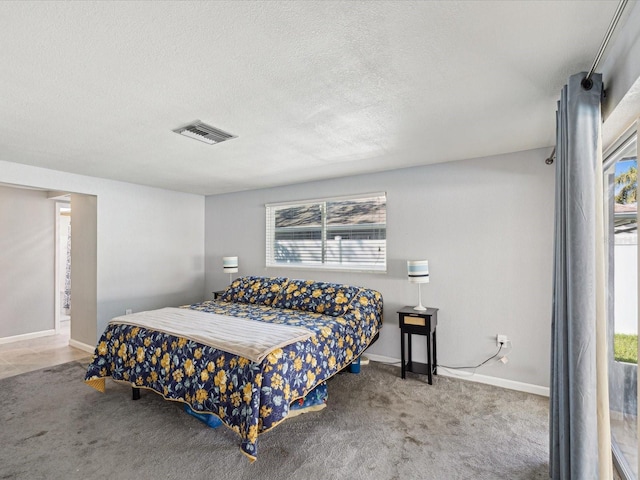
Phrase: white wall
x=621 y=74
x=486 y=227
x=27 y=242
x=84 y=244
x=150 y=242
x=620 y=70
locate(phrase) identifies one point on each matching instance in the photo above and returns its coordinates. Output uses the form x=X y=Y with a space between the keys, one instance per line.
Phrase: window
x=345 y=233
x=621 y=210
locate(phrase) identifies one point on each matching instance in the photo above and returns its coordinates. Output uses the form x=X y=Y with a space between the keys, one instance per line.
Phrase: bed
x=249 y=392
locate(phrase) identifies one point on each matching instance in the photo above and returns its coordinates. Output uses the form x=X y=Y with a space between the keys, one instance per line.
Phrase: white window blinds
x=346 y=233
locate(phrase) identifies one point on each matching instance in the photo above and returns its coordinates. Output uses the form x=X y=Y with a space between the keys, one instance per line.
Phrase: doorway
x=62 y=259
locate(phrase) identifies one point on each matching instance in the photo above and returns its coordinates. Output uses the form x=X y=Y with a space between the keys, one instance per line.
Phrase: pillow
x=259 y=290
x=320 y=297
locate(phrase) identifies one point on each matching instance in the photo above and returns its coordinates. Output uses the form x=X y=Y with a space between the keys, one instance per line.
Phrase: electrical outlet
x=501 y=339
x=128 y=311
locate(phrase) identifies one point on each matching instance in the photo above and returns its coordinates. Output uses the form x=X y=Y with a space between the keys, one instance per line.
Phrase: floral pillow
x=320 y=297
x=259 y=290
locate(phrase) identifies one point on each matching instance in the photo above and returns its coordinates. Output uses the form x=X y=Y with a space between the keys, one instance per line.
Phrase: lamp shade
x=230 y=264
x=418 y=271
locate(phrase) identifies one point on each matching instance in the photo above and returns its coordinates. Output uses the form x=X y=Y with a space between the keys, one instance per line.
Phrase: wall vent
x=203 y=132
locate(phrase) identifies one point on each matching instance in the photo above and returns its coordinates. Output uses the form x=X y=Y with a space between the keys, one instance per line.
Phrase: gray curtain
x=575 y=397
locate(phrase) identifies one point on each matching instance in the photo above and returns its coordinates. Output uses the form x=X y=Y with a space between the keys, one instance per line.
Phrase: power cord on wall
x=473 y=367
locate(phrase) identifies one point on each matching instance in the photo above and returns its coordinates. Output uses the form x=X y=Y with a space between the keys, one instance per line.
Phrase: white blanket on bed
x=251 y=339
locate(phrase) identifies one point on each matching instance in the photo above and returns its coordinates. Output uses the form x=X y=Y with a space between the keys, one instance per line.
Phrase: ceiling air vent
x=203 y=132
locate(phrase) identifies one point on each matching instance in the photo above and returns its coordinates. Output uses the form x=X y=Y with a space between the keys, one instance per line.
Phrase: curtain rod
x=587 y=83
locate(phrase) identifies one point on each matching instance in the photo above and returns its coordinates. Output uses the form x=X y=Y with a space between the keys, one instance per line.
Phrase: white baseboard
x=27 y=336
x=82 y=346
x=500 y=382
x=495 y=381
x=382 y=358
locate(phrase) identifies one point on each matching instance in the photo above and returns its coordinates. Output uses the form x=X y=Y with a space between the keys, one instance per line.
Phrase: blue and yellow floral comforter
x=250 y=398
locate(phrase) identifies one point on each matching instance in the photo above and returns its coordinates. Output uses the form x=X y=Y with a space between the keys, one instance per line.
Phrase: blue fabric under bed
x=250 y=398
x=311 y=401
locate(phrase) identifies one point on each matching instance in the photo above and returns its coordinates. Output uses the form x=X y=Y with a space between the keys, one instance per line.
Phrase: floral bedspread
x=248 y=397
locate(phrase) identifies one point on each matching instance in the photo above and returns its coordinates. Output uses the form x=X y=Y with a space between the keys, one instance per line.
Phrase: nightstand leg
x=402 y=370
x=435 y=356
x=410 y=357
x=429 y=365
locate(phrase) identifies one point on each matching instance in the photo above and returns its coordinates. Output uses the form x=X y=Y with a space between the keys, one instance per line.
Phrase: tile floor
x=28 y=355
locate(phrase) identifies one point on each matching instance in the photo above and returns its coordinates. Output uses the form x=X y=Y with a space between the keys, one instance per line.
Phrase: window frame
x=616 y=372
x=324 y=227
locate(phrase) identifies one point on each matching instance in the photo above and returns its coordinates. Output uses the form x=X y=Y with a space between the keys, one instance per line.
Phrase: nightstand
x=416 y=322
x=217 y=293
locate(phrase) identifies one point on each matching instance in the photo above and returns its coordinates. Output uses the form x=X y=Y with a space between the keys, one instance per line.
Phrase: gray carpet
x=376 y=426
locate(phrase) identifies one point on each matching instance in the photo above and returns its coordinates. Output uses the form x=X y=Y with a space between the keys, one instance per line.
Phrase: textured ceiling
x=313 y=90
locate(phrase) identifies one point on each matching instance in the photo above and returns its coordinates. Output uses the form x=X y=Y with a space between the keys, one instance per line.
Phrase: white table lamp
x=230 y=265
x=418 y=272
